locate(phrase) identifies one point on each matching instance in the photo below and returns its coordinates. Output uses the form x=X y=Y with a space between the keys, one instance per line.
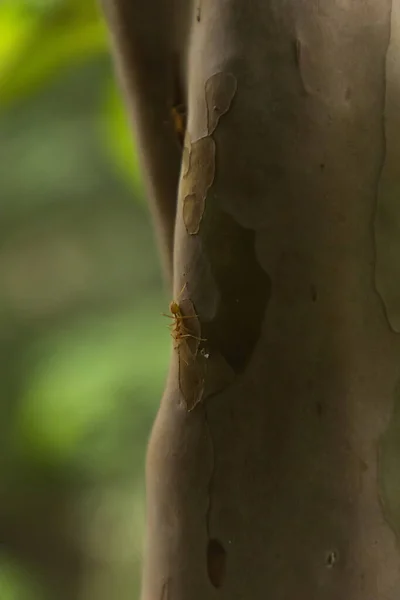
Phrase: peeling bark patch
x=216 y=562
x=191 y=370
x=186 y=156
x=193 y=209
x=202 y=374
x=244 y=289
x=220 y=91
x=191 y=381
x=297 y=52
x=192 y=325
x=198 y=173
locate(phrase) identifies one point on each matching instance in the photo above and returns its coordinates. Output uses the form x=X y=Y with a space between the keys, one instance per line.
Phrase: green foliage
x=39 y=41
x=15 y=583
x=85 y=374
x=114 y=127
x=81 y=383
x=38 y=45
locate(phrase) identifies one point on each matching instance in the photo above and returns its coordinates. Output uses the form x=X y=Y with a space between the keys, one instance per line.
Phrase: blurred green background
x=83 y=346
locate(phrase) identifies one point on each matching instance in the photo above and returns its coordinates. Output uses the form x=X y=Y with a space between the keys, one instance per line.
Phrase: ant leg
x=186 y=335
x=186 y=363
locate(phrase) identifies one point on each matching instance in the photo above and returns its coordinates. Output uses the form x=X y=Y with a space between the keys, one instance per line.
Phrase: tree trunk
x=272 y=467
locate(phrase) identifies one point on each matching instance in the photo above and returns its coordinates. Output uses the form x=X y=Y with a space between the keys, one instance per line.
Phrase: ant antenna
x=182 y=290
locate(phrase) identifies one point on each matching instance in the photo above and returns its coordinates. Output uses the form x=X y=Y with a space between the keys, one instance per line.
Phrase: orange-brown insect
x=178 y=328
x=178 y=114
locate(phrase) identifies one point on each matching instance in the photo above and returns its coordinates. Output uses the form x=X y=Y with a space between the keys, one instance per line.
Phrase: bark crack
x=380 y=171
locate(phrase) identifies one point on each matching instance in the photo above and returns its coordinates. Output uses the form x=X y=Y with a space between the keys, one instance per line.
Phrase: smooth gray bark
x=268 y=468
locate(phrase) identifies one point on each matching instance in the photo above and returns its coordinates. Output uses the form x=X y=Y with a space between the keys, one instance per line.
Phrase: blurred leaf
x=83 y=376
x=36 y=46
x=37 y=6
x=15 y=584
x=38 y=40
x=118 y=139
x=16 y=30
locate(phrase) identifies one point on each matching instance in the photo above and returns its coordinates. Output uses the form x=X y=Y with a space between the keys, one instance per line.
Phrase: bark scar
x=220 y=90
x=198 y=173
x=299 y=59
x=165 y=590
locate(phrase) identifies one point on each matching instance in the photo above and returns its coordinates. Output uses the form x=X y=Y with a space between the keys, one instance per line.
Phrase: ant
x=178 y=329
x=178 y=114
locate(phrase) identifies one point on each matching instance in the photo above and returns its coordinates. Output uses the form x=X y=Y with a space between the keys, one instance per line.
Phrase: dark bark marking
x=220 y=90
x=297 y=52
x=165 y=590
x=305 y=65
x=198 y=11
x=331 y=559
x=298 y=60
x=243 y=285
x=216 y=562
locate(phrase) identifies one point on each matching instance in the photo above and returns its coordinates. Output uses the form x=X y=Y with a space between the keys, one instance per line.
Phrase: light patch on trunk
x=198 y=173
x=220 y=91
x=193 y=209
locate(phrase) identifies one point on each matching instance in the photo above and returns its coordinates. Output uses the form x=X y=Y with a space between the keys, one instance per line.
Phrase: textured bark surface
x=272 y=464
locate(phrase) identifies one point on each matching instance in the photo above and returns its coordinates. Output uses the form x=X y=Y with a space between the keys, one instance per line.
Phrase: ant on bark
x=178 y=328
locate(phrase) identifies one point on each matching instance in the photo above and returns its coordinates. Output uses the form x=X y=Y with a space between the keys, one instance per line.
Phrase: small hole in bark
x=216 y=562
x=319 y=408
x=322 y=166
x=331 y=559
